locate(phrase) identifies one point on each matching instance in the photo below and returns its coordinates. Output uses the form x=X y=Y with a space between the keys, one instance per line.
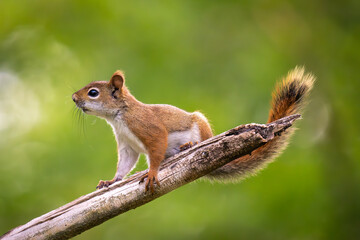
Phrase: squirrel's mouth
x=81 y=106
x=84 y=109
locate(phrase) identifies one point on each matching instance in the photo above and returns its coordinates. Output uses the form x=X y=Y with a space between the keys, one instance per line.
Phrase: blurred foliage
x=220 y=57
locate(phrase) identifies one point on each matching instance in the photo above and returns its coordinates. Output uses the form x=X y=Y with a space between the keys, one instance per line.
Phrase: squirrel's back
x=289 y=97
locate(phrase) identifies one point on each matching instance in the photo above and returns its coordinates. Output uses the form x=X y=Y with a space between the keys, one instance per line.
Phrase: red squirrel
x=160 y=130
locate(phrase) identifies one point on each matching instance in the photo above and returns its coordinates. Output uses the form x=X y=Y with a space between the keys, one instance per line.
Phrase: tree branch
x=97 y=207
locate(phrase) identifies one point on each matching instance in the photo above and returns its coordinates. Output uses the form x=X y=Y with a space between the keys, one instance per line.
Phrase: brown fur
x=151 y=132
x=204 y=126
x=173 y=118
x=288 y=98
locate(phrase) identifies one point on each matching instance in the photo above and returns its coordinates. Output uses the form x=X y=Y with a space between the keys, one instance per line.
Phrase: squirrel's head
x=102 y=98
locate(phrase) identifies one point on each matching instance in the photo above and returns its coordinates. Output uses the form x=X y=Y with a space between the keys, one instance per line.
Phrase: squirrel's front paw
x=104 y=183
x=151 y=181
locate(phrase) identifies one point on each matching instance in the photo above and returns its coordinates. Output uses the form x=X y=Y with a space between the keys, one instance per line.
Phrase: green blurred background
x=220 y=57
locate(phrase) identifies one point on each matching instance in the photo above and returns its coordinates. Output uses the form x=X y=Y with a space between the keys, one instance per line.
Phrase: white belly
x=125 y=135
x=176 y=139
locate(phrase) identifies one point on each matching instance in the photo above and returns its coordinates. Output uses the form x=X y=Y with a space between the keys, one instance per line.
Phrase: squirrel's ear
x=117 y=80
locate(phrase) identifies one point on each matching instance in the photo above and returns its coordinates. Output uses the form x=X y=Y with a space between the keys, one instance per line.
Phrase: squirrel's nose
x=74 y=97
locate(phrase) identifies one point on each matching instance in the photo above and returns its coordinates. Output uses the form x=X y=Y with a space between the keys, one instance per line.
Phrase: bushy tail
x=287 y=99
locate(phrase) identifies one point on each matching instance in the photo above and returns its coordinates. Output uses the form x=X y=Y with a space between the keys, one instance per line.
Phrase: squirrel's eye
x=93 y=93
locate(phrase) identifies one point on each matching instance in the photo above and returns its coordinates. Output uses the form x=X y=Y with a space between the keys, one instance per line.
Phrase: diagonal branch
x=95 y=208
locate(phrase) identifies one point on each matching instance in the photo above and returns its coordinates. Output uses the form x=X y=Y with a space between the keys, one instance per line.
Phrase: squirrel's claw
x=103 y=184
x=187 y=146
x=150 y=182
